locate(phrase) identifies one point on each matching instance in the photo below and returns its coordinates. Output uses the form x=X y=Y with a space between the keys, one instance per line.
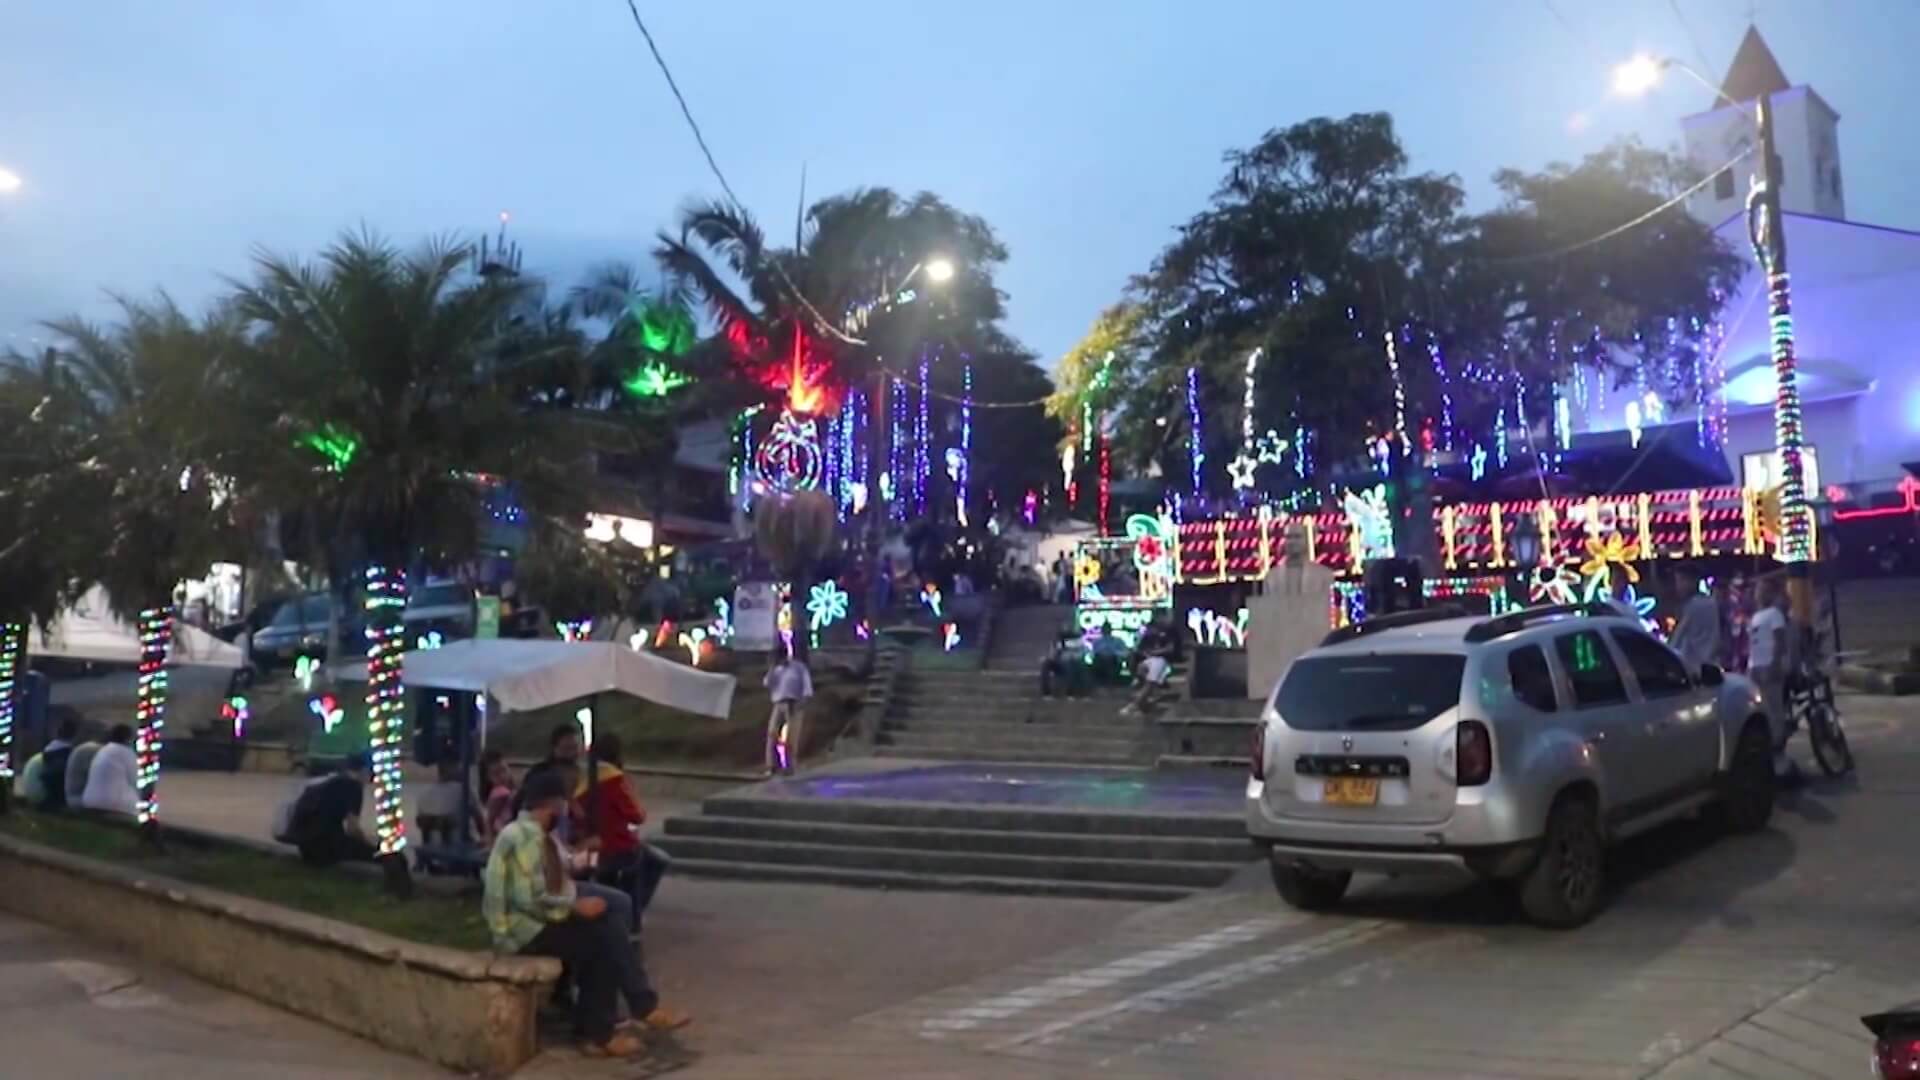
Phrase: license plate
x=1352 y=791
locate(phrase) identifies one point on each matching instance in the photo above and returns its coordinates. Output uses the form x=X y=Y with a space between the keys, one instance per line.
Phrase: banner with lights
x=1683 y=524
x=1120 y=581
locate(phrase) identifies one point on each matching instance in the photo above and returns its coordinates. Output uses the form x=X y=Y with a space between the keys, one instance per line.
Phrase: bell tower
x=1806 y=133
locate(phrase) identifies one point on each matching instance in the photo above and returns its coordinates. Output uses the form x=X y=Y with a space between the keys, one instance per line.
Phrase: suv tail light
x=1897 y=1057
x=1260 y=750
x=1473 y=753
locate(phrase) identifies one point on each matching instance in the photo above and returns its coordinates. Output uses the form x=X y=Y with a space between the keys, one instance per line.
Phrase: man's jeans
x=629 y=973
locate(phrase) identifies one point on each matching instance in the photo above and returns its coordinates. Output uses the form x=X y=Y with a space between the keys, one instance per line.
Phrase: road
x=1719 y=957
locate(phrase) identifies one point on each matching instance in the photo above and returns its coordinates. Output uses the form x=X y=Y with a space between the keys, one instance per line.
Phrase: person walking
x=791 y=685
x=1697 y=636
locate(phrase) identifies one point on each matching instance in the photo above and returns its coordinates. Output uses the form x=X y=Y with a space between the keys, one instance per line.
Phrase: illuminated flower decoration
x=334 y=443
x=432 y=639
x=236 y=712
x=304 y=669
x=1368 y=516
x=1643 y=608
x=327 y=708
x=1610 y=551
x=1086 y=571
x=826 y=605
x=695 y=642
x=930 y=596
x=950 y=636
x=1151 y=555
x=655 y=380
x=1553 y=585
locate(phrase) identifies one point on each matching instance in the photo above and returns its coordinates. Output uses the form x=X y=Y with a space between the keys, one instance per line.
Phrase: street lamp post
x=1766 y=229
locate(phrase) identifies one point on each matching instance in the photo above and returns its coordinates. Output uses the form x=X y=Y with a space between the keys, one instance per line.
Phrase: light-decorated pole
x=1766 y=228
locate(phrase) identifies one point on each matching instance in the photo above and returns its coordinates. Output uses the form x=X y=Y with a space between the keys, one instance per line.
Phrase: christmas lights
x=150 y=707
x=966 y=444
x=922 y=436
x=1788 y=434
x=385 y=605
x=328 y=709
x=584 y=717
x=236 y=712
x=827 y=603
x=1196 y=456
x=1106 y=479
x=654 y=379
x=1240 y=469
x=1371 y=522
x=1217 y=631
x=304 y=669
x=429 y=640
x=573 y=629
x=13 y=638
x=930 y=596
x=1479 y=462
x=1399 y=397
x=949 y=636
x=790 y=459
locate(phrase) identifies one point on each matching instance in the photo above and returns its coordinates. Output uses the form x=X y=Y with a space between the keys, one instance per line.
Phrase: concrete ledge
x=471 y=1011
x=1874 y=680
x=1206 y=737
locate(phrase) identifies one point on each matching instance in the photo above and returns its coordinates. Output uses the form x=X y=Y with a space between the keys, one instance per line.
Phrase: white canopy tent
x=89 y=630
x=521 y=675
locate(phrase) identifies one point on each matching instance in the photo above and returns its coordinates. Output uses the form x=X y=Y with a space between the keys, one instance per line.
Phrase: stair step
x=1019 y=740
x=996 y=756
x=1177 y=848
x=1190 y=875
x=1016 y=727
x=887 y=879
x=994 y=816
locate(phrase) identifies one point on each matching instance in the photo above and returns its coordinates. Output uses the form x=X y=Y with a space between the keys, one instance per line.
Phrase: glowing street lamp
x=939 y=271
x=9 y=181
x=1638 y=75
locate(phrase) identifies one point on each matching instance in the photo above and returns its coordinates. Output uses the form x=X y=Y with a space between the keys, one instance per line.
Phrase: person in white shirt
x=1697 y=635
x=1154 y=672
x=791 y=685
x=1767 y=662
x=113 y=780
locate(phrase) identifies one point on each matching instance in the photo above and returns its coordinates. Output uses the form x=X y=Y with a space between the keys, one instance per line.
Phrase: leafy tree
x=149 y=504
x=398 y=383
x=1320 y=246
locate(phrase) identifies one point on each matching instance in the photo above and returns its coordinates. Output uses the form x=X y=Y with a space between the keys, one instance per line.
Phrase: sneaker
x=665 y=1019
x=623 y=1044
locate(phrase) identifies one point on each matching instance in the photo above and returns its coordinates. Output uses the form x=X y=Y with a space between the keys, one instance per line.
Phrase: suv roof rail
x=1501 y=625
x=1438 y=613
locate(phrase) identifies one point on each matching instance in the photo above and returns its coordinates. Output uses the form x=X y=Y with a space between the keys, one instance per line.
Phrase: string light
x=790 y=459
x=1106 y=478
x=966 y=443
x=1196 y=455
x=573 y=629
x=150 y=706
x=930 y=596
x=1399 y=396
x=922 y=434
x=950 y=636
x=385 y=605
x=1479 y=462
x=1217 y=631
x=12 y=643
x=1240 y=469
x=235 y=711
x=1788 y=434
x=328 y=709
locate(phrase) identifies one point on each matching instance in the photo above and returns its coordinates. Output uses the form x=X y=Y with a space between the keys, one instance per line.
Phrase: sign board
x=754 y=604
x=486 y=620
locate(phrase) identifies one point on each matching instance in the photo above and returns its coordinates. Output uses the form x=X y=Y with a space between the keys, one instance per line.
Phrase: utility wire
x=1692 y=38
x=820 y=321
x=1635 y=223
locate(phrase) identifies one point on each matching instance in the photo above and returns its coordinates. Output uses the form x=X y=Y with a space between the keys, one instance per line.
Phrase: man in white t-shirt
x=1767 y=662
x=790 y=685
x=113 y=778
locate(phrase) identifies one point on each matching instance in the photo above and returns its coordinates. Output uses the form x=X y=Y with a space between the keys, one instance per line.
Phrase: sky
x=161 y=144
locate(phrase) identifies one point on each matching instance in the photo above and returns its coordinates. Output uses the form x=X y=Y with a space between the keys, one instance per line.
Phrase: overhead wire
x=1629 y=225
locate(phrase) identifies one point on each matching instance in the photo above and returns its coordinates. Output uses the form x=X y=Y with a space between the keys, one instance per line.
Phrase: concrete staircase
x=992 y=848
x=1000 y=716
x=1022 y=635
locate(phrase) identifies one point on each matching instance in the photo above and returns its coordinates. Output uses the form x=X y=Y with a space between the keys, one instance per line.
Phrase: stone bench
x=472 y=1011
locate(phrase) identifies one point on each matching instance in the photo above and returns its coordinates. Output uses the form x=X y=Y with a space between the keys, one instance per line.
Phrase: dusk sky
x=160 y=142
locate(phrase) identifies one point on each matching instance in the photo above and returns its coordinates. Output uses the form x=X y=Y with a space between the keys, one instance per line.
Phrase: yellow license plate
x=1352 y=791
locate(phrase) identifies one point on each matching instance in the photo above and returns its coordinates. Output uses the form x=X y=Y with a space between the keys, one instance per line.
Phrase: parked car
x=298 y=628
x=1513 y=749
x=442 y=605
x=1896 y=1042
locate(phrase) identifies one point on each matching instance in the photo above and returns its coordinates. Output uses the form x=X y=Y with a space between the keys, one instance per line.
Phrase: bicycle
x=1810 y=703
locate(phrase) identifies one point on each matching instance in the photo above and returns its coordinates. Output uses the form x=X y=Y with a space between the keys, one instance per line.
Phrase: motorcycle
x=1896 y=1048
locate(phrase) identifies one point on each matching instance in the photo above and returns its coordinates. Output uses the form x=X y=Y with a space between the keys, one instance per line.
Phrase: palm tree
x=399 y=383
x=39 y=567
x=152 y=506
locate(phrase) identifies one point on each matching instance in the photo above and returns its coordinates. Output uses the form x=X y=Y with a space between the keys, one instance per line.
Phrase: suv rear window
x=1368 y=693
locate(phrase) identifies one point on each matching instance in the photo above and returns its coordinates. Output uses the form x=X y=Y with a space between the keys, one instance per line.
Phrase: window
x=1590 y=669
x=1369 y=693
x=1762 y=471
x=1659 y=671
x=1532 y=682
x=1723 y=184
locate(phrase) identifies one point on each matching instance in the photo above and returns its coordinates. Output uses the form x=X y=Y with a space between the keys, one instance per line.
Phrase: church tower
x=1806 y=134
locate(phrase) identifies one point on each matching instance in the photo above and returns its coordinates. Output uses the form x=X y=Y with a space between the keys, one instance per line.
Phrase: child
x=496 y=777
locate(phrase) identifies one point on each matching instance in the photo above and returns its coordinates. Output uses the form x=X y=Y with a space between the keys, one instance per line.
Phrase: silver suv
x=1511 y=749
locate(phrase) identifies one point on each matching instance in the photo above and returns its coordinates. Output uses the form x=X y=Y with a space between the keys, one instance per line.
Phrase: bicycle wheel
x=1829 y=741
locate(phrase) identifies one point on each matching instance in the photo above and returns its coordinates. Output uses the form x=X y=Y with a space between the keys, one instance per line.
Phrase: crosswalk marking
x=1062 y=987
x=1211 y=981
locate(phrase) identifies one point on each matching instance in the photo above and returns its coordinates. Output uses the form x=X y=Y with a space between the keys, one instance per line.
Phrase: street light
x=939 y=270
x=9 y=181
x=1766 y=228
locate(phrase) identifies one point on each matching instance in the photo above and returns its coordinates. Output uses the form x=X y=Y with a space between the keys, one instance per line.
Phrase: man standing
x=326 y=818
x=1696 y=637
x=1767 y=665
x=791 y=685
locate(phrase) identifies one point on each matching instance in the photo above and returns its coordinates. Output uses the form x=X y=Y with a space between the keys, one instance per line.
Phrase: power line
x=1692 y=38
x=1636 y=222
x=699 y=137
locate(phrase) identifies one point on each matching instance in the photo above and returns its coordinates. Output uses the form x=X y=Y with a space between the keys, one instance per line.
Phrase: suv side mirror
x=1711 y=675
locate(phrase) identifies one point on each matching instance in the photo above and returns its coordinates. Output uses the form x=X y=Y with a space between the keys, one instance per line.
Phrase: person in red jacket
x=614 y=815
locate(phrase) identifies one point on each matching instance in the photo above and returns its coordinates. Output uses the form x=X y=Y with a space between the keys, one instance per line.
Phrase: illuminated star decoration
x=1240 y=471
x=1479 y=461
x=1271 y=449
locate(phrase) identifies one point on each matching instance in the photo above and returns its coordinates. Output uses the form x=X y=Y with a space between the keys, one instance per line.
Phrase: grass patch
x=428 y=918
